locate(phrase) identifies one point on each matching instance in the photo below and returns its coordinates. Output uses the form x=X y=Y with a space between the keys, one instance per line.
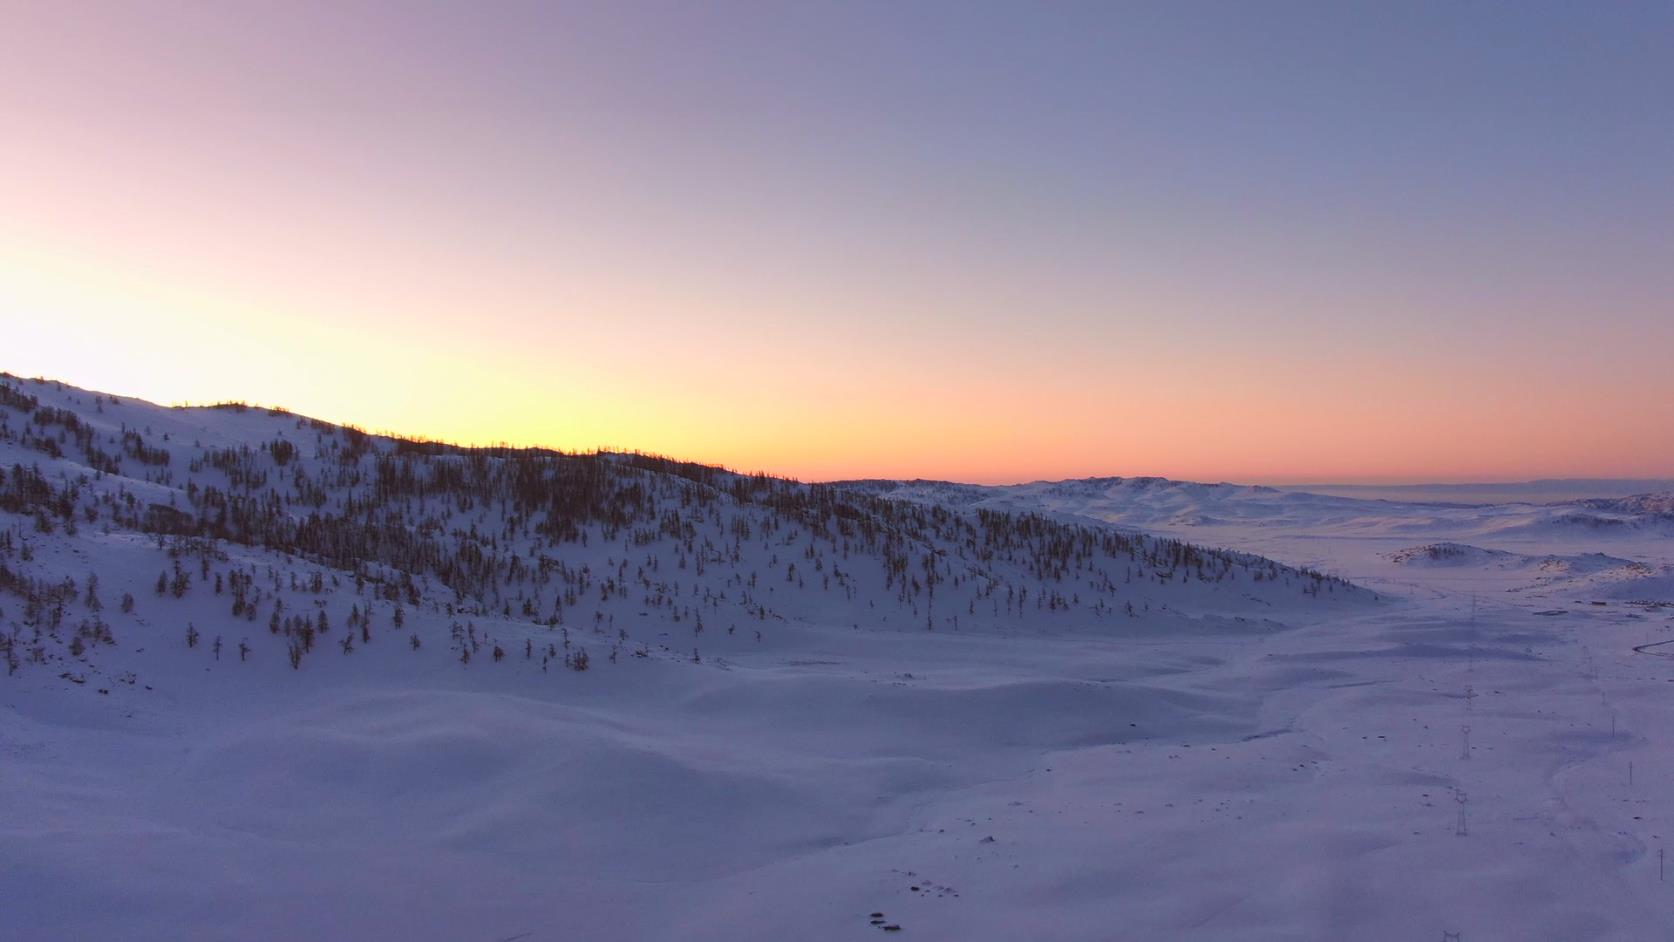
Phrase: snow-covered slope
x=1462 y=554
x=271 y=679
x=1161 y=505
x=254 y=659
x=256 y=504
x=1544 y=549
x=1588 y=575
x=1139 y=503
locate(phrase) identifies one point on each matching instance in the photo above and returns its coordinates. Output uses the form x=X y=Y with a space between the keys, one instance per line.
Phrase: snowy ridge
x=1592 y=575
x=1652 y=505
x=1176 y=507
x=1463 y=554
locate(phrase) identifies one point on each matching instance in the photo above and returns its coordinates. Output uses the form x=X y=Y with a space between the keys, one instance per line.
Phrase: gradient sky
x=1254 y=241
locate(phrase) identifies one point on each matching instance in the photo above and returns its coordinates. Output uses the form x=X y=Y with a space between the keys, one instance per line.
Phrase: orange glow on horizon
x=781 y=273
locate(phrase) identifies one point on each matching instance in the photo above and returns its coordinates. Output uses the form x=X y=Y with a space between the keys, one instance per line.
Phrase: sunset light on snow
x=836 y=470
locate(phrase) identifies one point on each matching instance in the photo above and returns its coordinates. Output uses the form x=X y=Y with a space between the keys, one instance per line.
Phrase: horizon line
x=1368 y=482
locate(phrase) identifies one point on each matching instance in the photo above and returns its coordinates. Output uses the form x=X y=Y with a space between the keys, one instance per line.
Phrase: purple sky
x=1258 y=241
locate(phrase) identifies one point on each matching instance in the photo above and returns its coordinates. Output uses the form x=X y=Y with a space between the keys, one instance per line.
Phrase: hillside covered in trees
x=313 y=538
x=445 y=692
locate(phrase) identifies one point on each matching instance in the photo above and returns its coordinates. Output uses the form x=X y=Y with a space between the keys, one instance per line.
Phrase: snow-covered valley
x=272 y=679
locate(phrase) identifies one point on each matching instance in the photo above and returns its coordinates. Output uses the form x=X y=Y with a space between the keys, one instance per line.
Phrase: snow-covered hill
x=1137 y=503
x=250 y=656
x=1160 y=505
x=269 y=678
x=119 y=511
x=1462 y=554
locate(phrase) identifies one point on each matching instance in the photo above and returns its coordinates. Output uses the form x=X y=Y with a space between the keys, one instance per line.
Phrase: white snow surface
x=1482 y=748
